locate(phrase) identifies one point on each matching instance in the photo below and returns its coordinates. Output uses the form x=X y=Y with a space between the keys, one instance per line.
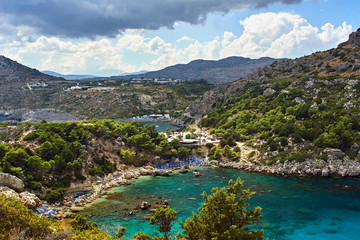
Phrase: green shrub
x=54 y=195
x=19 y=221
x=31 y=136
x=209 y=145
x=298 y=157
x=251 y=154
x=283 y=141
x=237 y=149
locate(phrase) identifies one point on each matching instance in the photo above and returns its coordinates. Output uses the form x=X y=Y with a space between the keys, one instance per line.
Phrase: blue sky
x=108 y=37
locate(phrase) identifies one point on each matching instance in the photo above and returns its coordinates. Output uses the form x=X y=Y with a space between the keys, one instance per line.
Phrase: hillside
x=304 y=110
x=12 y=72
x=217 y=72
x=52 y=158
x=26 y=88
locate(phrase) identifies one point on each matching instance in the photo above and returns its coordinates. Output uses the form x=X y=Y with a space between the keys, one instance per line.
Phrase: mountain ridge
x=213 y=71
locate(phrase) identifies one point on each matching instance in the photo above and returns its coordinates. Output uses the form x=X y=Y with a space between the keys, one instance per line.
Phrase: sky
x=110 y=37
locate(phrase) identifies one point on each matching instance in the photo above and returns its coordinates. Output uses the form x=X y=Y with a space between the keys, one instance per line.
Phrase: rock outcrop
x=12 y=182
x=202 y=106
x=29 y=199
x=354 y=40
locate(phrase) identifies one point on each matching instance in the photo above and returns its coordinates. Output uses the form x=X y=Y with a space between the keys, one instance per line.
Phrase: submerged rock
x=145 y=205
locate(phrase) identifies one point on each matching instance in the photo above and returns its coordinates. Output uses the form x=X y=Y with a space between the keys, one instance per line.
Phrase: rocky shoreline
x=338 y=165
x=72 y=205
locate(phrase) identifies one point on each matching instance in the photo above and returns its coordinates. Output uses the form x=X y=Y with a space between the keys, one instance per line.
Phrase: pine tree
x=225 y=214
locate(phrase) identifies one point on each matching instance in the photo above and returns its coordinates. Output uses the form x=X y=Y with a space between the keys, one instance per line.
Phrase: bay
x=3 y=119
x=160 y=126
x=293 y=208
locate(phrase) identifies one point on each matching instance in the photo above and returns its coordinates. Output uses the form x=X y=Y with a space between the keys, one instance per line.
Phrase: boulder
x=268 y=92
x=164 y=173
x=128 y=175
x=314 y=106
x=325 y=172
x=183 y=170
x=29 y=199
x=10 y=194
x=12 y=182
x=349 y=105
x=333 y=153
x=299 y=100
x=144 y=172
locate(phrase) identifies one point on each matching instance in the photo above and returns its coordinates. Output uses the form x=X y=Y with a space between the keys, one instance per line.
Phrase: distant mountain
x=88 y=77
x=221 y=71
x=68 y=76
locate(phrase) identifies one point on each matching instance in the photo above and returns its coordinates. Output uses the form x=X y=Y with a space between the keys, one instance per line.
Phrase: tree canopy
x=225 y=214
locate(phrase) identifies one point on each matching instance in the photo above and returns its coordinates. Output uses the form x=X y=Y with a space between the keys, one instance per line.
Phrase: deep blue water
x=160 y=126
x=293 y=208
x=2 y=119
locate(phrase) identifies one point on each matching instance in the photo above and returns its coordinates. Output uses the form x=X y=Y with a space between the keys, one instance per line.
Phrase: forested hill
x=293 y=109
x=48 y=157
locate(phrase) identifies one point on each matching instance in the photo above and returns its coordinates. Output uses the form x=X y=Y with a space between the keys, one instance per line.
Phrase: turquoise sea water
x=160 y=126
x=2 y=119
x=293 y=208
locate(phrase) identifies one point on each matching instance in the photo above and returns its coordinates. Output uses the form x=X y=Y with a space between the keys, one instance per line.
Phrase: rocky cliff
x=354 y=40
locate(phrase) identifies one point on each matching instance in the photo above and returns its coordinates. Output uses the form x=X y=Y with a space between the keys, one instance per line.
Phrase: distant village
x=152 y=117
x=130 y=82
x=145 y=81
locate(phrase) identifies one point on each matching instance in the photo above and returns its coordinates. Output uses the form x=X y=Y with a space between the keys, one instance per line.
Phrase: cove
x=160 y=126
x=293 y=208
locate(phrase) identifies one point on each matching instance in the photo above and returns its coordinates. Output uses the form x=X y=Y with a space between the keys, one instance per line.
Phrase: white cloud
x=228 y=38
x=184 y=39
x=265 y=34
x=282 y=35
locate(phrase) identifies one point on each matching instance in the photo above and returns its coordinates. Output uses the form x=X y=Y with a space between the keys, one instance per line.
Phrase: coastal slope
x=299 y=116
